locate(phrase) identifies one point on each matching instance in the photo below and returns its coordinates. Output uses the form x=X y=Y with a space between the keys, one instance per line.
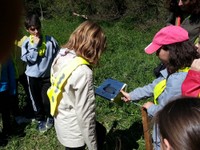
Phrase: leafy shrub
x=137 y=10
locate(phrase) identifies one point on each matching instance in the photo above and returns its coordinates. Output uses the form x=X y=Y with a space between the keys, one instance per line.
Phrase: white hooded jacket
x=75 y=121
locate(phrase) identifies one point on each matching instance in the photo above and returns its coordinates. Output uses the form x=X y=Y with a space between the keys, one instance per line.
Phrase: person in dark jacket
x=7 y=91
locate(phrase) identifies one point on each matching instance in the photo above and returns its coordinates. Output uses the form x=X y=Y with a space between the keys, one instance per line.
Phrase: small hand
x=196 y=65
x=126 y=97
x=147 y=105
x=198 y=47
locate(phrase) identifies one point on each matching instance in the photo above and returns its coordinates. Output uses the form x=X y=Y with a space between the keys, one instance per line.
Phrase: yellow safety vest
x=42 y=48
x=57 y=84
x=160 y=87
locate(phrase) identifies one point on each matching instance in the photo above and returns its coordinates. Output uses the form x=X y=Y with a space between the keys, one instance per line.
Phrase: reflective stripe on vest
x=160 y=87
x=57 y=84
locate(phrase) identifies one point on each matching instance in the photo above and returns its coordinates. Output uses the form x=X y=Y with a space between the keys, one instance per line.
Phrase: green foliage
x=60 y=29
x=124 y=60
x=59 y=9
x=32 y=6
x=137 y=10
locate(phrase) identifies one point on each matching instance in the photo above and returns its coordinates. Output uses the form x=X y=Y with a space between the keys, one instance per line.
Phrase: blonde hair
x=88 y=41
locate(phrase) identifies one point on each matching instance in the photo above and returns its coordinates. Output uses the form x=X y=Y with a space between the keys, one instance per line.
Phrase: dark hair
x=32 y=19
x=181 y=55
x=179 y=123
x=172 y=6
x=194 y=11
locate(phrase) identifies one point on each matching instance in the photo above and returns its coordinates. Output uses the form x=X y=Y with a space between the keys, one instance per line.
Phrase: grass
x=124 y=60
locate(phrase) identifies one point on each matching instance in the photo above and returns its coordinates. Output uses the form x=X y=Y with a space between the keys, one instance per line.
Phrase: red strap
x=178 y=21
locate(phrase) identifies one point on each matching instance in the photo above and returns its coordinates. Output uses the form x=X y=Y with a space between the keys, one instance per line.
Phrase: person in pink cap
x=172 y=46
x=184 y=13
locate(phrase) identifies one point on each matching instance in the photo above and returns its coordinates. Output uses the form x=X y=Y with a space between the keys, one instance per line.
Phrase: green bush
x=137 y=10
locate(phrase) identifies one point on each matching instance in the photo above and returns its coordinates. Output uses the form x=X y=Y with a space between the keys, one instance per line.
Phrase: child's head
x=32 y=24
x=173 y=48
x=180 y=6
x=88 y=41
x=179 y=124
x=184 y=4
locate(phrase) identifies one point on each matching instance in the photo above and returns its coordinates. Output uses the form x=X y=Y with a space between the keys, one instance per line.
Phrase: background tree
x=135 y=11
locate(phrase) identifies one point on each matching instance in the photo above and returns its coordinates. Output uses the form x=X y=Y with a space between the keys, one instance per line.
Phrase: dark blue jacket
x=7 y=79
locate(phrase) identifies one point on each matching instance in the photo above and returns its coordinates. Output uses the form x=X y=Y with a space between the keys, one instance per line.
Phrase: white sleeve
x=85 y=107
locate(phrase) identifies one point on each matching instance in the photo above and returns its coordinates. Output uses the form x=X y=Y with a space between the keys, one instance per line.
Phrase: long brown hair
x=179 y=123
x=88 y=41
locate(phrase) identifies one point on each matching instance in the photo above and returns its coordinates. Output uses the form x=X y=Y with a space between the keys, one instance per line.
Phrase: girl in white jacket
x=75 y=113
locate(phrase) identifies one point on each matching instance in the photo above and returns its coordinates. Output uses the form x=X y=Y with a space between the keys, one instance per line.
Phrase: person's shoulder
x=177 y=77
x=49 y=38
x=21 y=41
x=81 y=74
x=84 y=70
x=52 y=40
x=164 y=73
x=25 y=41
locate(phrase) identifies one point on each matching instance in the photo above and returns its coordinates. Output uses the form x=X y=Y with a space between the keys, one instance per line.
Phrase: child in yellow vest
x=39 y=51
x=75 y=115
x=172 y=46
x=7 y=92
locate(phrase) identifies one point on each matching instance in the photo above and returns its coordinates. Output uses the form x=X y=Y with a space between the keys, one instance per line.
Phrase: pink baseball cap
x=167 y=35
